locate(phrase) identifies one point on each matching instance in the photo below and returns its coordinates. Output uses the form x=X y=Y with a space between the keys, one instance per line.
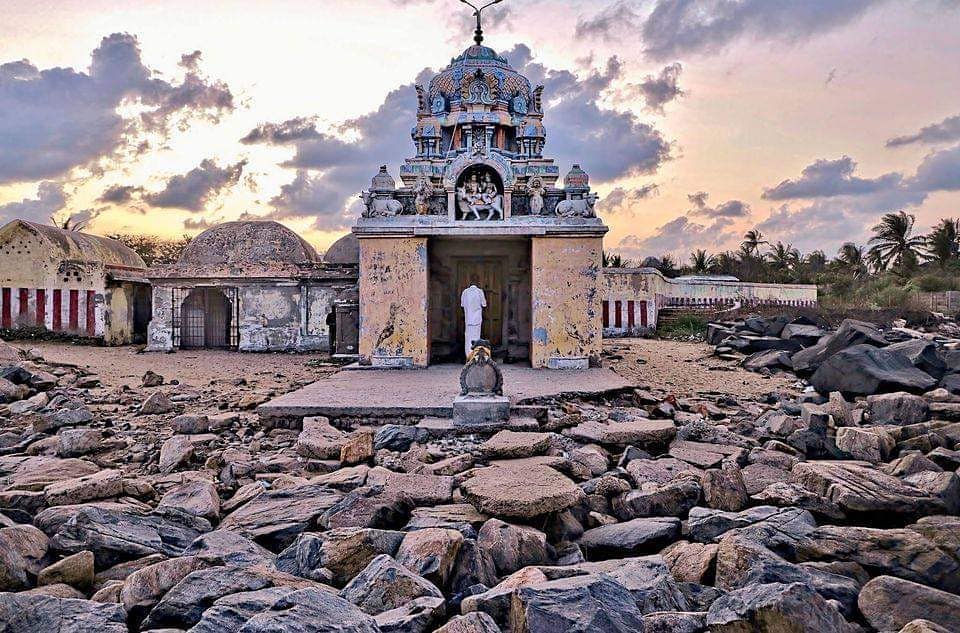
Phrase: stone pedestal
x=480 y=410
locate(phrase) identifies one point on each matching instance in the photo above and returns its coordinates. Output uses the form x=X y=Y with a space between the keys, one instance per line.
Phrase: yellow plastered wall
x=566 y=318
x=393 y=301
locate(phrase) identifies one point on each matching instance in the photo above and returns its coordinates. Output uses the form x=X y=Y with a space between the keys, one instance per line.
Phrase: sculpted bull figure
x=577 y=208
x=380 y=207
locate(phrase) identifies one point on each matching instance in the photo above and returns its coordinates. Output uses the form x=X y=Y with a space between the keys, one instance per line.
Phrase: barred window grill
x=206 y=317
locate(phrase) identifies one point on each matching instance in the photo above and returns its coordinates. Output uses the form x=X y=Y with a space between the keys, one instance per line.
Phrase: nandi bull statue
x=578 y=208
x=378 y=206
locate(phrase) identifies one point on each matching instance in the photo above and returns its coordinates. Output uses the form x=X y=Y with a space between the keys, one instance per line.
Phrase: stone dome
x=345 y=250
x=260 y=244
x=499 y=82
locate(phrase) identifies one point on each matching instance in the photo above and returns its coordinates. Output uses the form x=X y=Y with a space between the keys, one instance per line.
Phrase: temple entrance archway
x=501 y=268
x=205 y=320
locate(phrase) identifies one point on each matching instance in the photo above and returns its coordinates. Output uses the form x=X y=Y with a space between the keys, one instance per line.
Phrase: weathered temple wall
x=566 y=324
x=394 y=293
x=638 y=294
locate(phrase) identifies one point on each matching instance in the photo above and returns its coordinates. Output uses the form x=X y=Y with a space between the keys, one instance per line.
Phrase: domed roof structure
x=247 y=247
x=500 y=83
x=346 y=250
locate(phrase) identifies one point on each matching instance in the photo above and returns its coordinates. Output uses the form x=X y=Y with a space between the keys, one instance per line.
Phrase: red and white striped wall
x=625 y=316
x=67 y=310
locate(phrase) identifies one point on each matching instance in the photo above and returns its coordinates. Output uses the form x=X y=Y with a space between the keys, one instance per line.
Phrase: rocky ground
x=707 y=499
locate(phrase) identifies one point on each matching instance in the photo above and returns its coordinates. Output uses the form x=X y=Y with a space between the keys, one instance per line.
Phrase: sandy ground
x=668 y=366
x=687 y=369
x=124 y=365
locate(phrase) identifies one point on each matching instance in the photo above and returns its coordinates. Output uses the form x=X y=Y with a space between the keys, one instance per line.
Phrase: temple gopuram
x=480 y=203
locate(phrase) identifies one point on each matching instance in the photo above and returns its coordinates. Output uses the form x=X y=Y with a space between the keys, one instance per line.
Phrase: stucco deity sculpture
x=536 y=190
x=578 y=208
x=422 y=192
x=474 y=197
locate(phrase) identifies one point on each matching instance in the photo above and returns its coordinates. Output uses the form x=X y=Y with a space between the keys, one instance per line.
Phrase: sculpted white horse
x=380 y=207
x=577 y=208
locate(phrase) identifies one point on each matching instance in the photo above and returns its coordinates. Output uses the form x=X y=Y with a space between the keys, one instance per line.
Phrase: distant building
x=254 y=286
x=71 y=283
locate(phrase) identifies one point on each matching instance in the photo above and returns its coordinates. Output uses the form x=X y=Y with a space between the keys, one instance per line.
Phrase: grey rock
x=34 y=613
x=313 y=610
x=897 y=408
x=582 y=604
x=864 y=370
x=230 y=548
x=638 y=536
x=275 y=518
x=775 y=607
x=385 y=584
x=417 y=616
x=851 y=332
x=889 y=603
x=342 y=553
x=511 y=547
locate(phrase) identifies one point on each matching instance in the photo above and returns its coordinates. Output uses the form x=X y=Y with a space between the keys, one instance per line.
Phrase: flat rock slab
x=524 y=493
x=639 y=432
x=428 y=392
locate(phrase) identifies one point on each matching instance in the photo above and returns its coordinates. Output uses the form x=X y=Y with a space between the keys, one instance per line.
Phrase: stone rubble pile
x=169 y=508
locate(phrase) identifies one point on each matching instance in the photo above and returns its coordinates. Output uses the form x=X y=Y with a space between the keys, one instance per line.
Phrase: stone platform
x=427 y=392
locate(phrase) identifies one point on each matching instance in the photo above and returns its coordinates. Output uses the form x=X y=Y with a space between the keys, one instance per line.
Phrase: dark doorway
x=501 y=268
x=332 y=332
x=206 y=320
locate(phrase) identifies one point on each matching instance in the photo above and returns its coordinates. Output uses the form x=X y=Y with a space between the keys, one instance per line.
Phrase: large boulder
x=889 y=603
x=638 y=536
x=145 y=587
x=37 y=613
x=594 y=603
x=905 y=553
x=851 y=332
x=634 y=430
x=385 y=584
x=116 y=536
x=311 y=609
x=342 y=552
x=511 y=547
x=897 y=408
x=775 y=607
x=863 y=370
x=507 y=491
x=198 y=497
x=431 y=553
x=275 y=518
x=861 y=490
x=923 y=354
x=23 y=552
x=513 y=444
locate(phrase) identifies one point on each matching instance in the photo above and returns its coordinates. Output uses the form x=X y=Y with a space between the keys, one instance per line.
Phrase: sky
x=696 y=119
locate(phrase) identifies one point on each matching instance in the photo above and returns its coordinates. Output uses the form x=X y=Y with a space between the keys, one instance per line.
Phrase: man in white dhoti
x=473 y=301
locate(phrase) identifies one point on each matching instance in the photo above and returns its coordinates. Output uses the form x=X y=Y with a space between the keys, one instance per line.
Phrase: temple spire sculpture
x=478 y=34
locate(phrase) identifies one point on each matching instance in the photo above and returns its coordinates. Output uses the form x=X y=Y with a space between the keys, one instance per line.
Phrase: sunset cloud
x=193 y=190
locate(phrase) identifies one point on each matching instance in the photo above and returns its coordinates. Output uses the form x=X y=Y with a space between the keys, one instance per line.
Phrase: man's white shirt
x=473 y=301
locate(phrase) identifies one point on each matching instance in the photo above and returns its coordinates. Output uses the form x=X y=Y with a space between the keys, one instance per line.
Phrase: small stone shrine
x=481 y=401
x=480 y=203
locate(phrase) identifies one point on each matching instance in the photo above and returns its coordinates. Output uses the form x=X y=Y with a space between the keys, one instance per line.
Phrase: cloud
x=729 y=209
x=676 y=28
x=623 y=201
x=56 y=119
x=191 y=191
x=340 y=161
x=298 y=129
x=827 y=178
x=945 y=131
x=939 y=171
x=199 y=224
x=657 y=91
x=311 y=196
x=50 y=199
x=119 y=194
x=610 y=144
x=610 y=23
x=679 y=237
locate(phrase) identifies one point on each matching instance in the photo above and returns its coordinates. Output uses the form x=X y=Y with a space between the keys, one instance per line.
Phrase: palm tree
x=943 y=242
x=894 y=242
x=68 y=224
x=701 y=262
x=784 y=257
x=752 y=240
x=668 y=266
x=614 y=260
x=852 y=260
